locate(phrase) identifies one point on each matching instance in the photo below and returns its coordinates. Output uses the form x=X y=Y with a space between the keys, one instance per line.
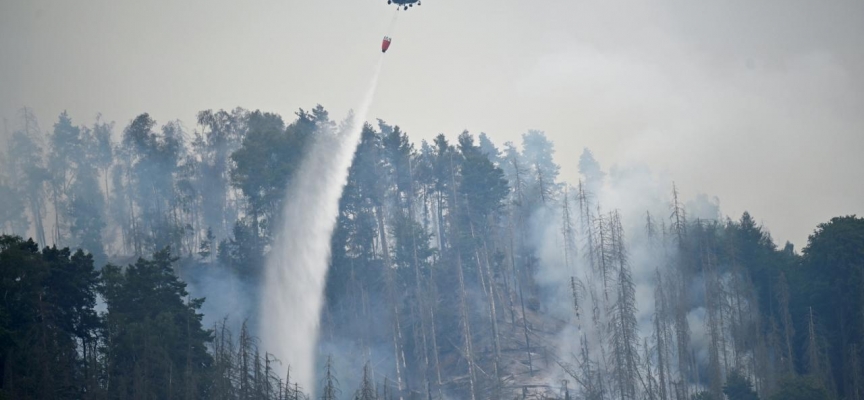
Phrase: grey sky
x=760 y=103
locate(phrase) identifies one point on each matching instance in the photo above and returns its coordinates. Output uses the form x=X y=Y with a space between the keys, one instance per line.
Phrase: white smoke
x=296 y=268
x=634 y=191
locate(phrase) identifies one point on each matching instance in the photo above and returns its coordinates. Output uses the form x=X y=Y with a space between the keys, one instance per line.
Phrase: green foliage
x=266 y=160
x=101 y=147
x=590 y=169
x=542 y=170
x=738 y=387
x=221 y=134
x=205 y=249
x=150 y=165
x=26 y=171
x=412 y=243
x=834 y=282
x=800 y=388
x=243 y=252
x=482 y=183
x=75 y=192
x=13 y=217
x=398 y=151
x=489 y=150
x=704 y=395
x=85 y=205
x=47 y=313
x=156 y=346
x=410 y=220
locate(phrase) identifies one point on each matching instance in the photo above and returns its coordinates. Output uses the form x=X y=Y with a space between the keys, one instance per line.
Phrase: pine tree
x=662 y=337
x=48 y=316
x=26 y=167
x=590 y=169
x=679 y=216
x=147 y=319
x=623 y=325
x=205 y=250
x=568 y=232
x=330 y=385
x=738 y=387
x=586 y=223
x=366 y=391
x=783 y=298
x=538 y=152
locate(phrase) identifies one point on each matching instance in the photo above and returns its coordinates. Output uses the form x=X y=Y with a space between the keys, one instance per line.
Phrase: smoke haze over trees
x=461 y=268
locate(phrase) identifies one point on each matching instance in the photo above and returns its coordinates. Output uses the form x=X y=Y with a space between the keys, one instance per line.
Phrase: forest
x=131 y=257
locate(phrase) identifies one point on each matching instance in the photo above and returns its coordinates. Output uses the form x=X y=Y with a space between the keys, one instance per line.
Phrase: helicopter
x=404 y=3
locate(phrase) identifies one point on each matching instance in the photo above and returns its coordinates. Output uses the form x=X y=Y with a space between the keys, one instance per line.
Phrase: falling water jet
x=296 y=268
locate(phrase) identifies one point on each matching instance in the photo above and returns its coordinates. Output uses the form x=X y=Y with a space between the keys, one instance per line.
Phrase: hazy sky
x=758 y=102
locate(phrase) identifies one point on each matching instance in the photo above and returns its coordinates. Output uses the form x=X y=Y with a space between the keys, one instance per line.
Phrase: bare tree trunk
x=511 y=295
x=391 y=291
x=660 y=335
x=650 y=391
x=567 y=232
x=136 y=244
x=463 y=296
x=36 y=209
x=434 y=333
x=712 y=303
x=602 y=253
x=853 y=370
x=466 y=327
x=587 y=225
x=682 y=335
x=783 y=298
x=420 y=296
x=56 y=230
x=680 y=217
x=494 y=317
x=624 y=325
x=490 y=296
x=525 y=330
x=245 y=342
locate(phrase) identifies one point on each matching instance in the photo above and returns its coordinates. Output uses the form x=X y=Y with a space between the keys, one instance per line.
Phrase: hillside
x=460 y=269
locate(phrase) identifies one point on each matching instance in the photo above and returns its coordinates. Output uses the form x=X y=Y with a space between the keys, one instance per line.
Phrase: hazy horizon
x=761 y=105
